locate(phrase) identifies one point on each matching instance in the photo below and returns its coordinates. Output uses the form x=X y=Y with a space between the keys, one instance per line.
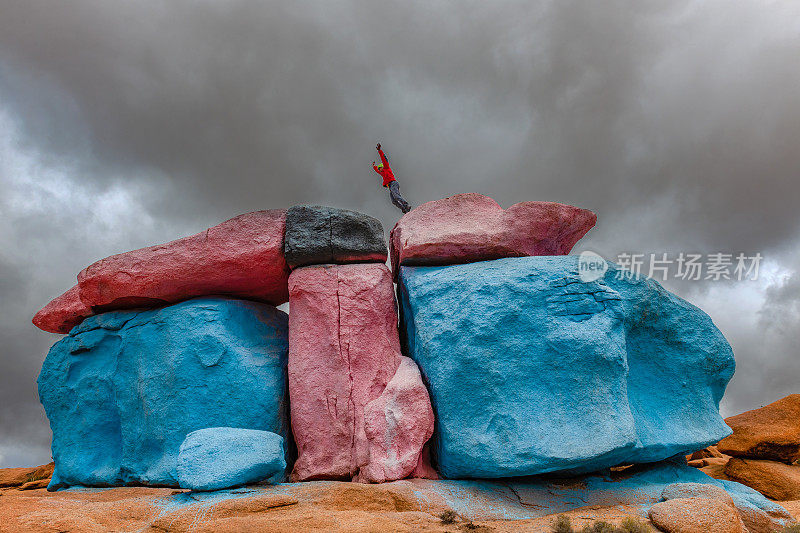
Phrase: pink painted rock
x=398 y=423
x=472 y=227
x=242 y=257
x=62 y=313
x=343 y=352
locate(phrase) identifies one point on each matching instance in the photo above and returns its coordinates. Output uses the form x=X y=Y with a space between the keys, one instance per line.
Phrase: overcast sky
x=126 y=124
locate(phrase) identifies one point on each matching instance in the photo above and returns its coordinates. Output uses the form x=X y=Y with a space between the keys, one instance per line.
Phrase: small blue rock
x=533 y=370
x=124 y=389
x=221 y=458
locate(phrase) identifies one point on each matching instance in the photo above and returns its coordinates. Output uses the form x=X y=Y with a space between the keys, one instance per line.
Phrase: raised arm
x=383 y=157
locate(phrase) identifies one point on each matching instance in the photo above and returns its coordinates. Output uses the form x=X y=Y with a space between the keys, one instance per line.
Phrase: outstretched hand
x=378 y=147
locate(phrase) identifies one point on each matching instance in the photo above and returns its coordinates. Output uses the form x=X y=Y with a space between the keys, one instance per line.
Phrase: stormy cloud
x=124 y=124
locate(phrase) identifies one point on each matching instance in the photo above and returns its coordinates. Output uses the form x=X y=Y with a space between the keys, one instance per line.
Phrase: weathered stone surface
x=771 y=432
x=514 y=350
x=472 y=227
x=62 y=313
x=124 y=389
x=397 y=424
x=343 y=352
x=241 y=257
x=318 y=235
x=775 y=480
x=221 y=458
x=323 y=506
x=693 y=515
x=34 y=485
x=16 y=477
x=696 y=490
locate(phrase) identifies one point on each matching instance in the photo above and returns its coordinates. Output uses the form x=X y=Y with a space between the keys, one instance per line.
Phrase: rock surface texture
x=771 y=432
x=397 y=424
x=124 y=389
x=532 y=370
x=221 y=458
x=694 y=515
x=343 y=353
x=775 y=480
x=18 y=477
x=62 y=313
x=472 y=227
x=318 y=235
x=241 y=257
x=507 y=506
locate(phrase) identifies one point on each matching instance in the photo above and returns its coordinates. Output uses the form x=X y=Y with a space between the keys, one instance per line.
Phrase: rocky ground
x=314 y=506
x=408 y=505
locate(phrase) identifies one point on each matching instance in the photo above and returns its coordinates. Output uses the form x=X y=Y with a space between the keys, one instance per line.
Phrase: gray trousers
x=397 y=199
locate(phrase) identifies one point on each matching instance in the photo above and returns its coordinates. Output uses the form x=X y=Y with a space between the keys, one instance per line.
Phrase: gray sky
x=125 y=124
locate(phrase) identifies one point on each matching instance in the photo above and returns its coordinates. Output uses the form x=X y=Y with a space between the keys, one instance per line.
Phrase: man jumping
x=386 y=173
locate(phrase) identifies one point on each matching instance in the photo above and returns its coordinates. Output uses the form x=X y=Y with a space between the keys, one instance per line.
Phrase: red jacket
x=385 y=171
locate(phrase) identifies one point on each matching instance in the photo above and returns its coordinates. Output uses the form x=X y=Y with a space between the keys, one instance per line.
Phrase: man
x=388 y=181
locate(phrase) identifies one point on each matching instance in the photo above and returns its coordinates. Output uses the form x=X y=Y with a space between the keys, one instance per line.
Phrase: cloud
x=130 y=123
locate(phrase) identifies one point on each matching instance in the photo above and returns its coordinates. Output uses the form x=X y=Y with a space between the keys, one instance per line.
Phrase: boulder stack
x=359 y=409
x=765 y=448
x=179 y=371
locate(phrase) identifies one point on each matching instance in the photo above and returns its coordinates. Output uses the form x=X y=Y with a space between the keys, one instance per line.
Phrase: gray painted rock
x=318 y=235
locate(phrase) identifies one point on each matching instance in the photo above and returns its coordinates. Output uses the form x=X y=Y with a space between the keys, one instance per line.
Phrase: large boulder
x=343 y=352
x=771 y=432
x=472 y=227
x=124 y=389
x=317 y=235
x=693 y=515
x=533 y=370
x=221 y=458
x=775 y=480
x=241 y=257
x=62 y=313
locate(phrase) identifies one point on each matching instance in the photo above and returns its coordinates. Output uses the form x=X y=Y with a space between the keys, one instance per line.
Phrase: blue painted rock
x=124 y=389
x=533 y=370
x=221 y=458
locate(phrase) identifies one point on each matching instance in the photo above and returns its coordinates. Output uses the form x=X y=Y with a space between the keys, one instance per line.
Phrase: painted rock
x=343 y=352
x=472 y=227
x=221 y=458
x=318 y=235
x=242 y=257
x=124 y=389
x=398 y=423
x=532 y=370
x=62 y=313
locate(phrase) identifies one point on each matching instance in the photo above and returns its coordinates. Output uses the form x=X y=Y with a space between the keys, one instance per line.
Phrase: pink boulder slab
x=242 y=257
x=472 y=227
x=62 y=313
